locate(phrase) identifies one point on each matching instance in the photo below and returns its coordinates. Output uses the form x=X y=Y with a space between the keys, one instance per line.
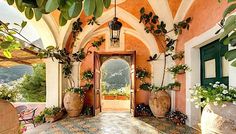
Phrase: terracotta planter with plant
x=74 y=101
x=121 y=97
x=219 y=102
x=159 y=103
x=178 y=69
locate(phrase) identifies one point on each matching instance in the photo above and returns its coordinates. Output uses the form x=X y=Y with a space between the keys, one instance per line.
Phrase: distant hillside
x=116 y=74
x=14 y=73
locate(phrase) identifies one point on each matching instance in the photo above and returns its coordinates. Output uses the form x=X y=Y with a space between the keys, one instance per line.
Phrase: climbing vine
x=158 y=29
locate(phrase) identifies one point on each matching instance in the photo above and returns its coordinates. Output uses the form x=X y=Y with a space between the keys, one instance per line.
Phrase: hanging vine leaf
x=51 y=5
x=107 y=3
x=5 y=44
x=20 y=6
x=40 y=3
x=10 y=2
x=98 y=9
x=62 y=20
x=29 y=13
x=7 y=54
x=89 y=7
x=38 y=14
x=75 y=9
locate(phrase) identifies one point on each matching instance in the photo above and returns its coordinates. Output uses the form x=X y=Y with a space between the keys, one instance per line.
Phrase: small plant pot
x=109 y=97
x=176 y=89
x=182 y=71
x=53 y=118
x=122 y=97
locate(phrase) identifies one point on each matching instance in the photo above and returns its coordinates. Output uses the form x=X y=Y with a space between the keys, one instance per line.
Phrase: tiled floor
x=113 y=123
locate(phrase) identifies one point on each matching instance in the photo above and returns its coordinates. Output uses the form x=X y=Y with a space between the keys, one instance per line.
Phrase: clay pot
x=159 y=103
x=122 y=97
x=9 y=122
x=73 y=103
x=53 y=118
x=109 y=97
x=218 y=119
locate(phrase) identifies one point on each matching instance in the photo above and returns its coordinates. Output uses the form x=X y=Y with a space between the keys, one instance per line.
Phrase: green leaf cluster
x=68 y=9
x=8 y=40
x=229 y=35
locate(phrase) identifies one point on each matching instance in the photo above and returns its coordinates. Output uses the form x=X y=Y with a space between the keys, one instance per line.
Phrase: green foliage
x=142 y=73
x=158 y=29
x=78 y=90
x=146 y=86
x=8 y=40
x=68 y=9
x=178 y=55
x=51 y=111
x=229 y=34
x=216 y=93
x=7 y=93
x=87 y=75
x=178 y=69
x=33 y=87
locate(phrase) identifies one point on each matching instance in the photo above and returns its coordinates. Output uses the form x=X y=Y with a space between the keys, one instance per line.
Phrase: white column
x=75 y=73
x=53 y=80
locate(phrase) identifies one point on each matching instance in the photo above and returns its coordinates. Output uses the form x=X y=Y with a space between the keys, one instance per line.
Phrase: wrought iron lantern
x=115 y=27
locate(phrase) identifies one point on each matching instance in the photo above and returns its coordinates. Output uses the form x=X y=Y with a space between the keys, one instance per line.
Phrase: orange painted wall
x=205 y=14
x=131 y=44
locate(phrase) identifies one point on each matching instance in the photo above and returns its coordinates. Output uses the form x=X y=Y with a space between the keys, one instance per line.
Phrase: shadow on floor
x=112 y=123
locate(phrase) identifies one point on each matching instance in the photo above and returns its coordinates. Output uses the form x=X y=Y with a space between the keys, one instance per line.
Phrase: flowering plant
x=216 y=93
x=6 y=93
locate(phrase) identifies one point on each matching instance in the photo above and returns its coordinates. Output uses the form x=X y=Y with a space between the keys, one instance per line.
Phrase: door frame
x=133 y=61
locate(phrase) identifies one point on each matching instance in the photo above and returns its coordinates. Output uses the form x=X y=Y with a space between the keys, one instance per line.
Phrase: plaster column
x=53 y=80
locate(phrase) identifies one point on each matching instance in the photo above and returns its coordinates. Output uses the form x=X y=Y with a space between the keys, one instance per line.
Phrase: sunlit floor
x=112 y=123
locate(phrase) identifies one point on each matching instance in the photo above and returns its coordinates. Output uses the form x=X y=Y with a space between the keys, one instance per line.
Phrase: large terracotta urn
x=73 y=103
x=159 y=103
x=9 y=123
x=218 y=119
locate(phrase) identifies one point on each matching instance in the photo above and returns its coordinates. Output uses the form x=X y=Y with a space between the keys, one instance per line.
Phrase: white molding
x=183 y=9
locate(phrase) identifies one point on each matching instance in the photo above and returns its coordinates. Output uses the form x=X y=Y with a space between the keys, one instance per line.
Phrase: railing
x=40 y=105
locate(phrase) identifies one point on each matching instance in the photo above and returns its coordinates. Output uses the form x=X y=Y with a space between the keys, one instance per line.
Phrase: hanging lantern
x=115 y=27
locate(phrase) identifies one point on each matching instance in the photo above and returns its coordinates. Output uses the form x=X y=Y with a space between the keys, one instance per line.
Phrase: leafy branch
x=158 y=29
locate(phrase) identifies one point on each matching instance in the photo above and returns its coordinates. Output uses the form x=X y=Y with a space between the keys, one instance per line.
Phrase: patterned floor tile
x=115 y=123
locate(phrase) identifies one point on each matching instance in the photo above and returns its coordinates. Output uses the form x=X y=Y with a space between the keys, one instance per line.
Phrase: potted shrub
x=73 y=101
x=178 y=69
x=219 y=102
x=53 y=114
x=87 y=75
x=49 y=115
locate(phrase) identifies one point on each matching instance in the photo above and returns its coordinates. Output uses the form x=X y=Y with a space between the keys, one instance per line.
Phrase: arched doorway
x=128 y=58
x=115 y=85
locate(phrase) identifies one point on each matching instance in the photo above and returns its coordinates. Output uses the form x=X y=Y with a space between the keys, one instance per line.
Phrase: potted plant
x=219 y=102
x=142 y=73
x=73 y=101
x=87 y=75
x=49 y=115
x=174 y=86
x=146 y=86
x=178 y=69
x=109 y=95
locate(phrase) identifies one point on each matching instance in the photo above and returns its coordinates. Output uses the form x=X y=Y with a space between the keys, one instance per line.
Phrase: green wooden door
x=214 y=67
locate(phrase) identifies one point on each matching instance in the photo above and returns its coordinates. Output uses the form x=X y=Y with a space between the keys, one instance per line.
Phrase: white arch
x=128 y=18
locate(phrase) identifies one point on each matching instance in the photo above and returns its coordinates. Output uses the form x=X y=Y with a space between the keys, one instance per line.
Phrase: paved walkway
x=112 y=123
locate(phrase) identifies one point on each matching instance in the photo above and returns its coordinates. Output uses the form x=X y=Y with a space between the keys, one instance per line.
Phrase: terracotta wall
x=131 y=44
x=205 y=14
